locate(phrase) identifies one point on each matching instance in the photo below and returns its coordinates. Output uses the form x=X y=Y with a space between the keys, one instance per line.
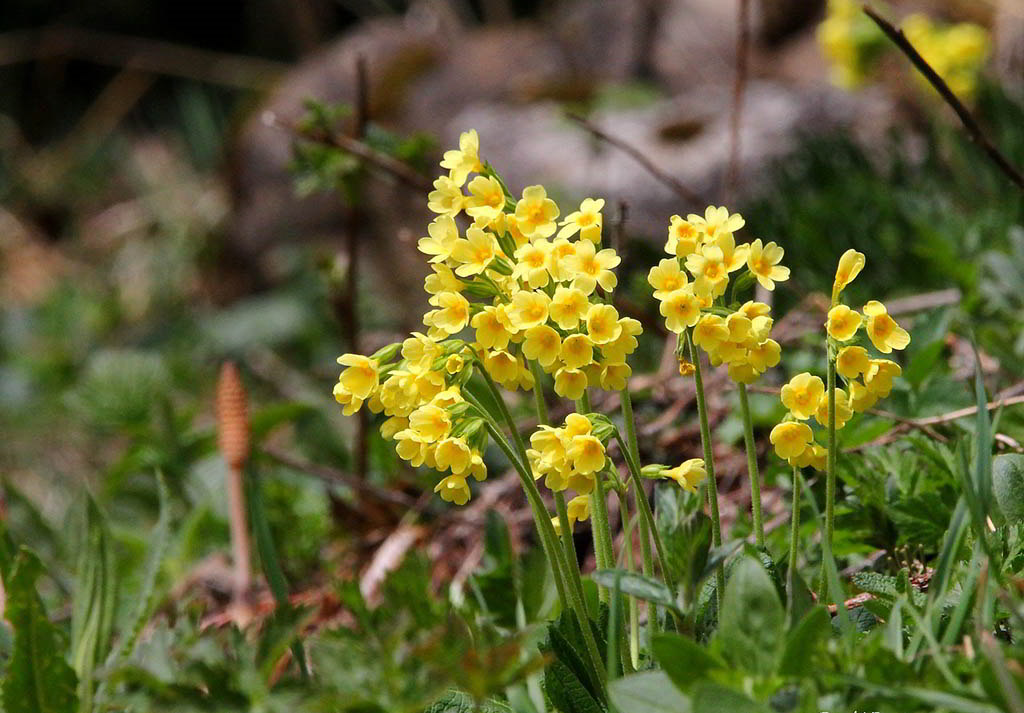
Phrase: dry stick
x=386 y=164
x=966 y=118
x=637 y=155
x=233 y=441
x=732 y=175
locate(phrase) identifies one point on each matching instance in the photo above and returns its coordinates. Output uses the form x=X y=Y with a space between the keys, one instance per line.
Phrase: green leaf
x=682 y=659
x=752 y=619
x=566 y=690
x=804 y=641
x=38 y=679
x=565 y=653
x=713 y=698
x=456 y=701
x=639 y=586
x=95 y=597
x=647 y=692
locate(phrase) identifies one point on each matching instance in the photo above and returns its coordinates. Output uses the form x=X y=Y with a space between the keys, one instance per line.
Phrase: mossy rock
x=1008 y=485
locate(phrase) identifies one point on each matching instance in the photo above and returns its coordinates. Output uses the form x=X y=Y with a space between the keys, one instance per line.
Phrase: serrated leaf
x=647 y=692
x=566 y=690
x=38 y=678
x=456 y=701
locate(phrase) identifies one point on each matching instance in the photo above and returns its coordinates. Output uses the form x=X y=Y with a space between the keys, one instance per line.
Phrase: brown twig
x=966 y=118
x=637 y=155
x=732 y=175
x=387 y=164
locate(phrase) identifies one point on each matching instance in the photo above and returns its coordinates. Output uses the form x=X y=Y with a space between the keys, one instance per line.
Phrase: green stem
x=830 y=468
x=603 y=551
x=633 y=634
x=645 y=532
x=755 y=477
x=709 y=464
x=794 y=539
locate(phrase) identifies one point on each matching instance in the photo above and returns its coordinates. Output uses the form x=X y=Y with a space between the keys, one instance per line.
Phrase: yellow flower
x=710 y=332
x=842 y=323
x=666 y=277
x=882 y=329
x=616 y=351
x=683 y=237
x=790 y=439
x=536 y=213
x=681 y=309
x=753 y=310
x=579 y=509
x=586 y=454
x=603 y=324
x=503 y=368
x=850 y=265
x=393 y=425
x=709 y=267
x=361 y=377
x=475 y=252
x=431 y=423
x=577 y=351
x=802 y=395
x=614 y=376
x=531 y=263
x=453 y=453
x=453 y=489
x=349 y=402
x=587 y=221
x=452 y=313
x=576 y=424
x=486 y=199
x=443 y=235
x=764 y=263
x=412 y=447
x=568 y=306
x=591 y=267
x=878 y=378
x=570 y=383
x=688 y=474
x=446 y=198
x=717 y=220
x=542 y=344
x=813 y=456
x=851 y=362
x=742 y=372
x=490 y=331
x=558 y=259
x=861 y=398
x=464 y=160
x=843 y=409
x=442 y=279
x=528 y=309
x=764 y=355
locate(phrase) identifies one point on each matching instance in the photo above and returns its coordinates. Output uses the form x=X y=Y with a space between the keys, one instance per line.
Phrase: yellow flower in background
x=586 y=453
x=453 y=489
x=666 y=277
x=683 y=237
x=570 y=383
x=882 y=329
x=681 y=309
x=851 y=362
x=790 y=439
x=844 y=411
x=710 y=332
x=568 y=306
x=842 y=323
x=464 y=160
x=490 y=331
x=536 y=213
x=486 y=199
x=802 y=395
x=577 y=351
x=879 y=376
x=542 y=344
x=603 y=324
x=850 y=265
x=443 y=235
x=360 y=377
x=614 y=376
x=717 y=220
x=447 y=197
x=764 y=261
x=587 y=221
x=528 y=309
x=688 y=474
x=475 y=252
x=591 y=267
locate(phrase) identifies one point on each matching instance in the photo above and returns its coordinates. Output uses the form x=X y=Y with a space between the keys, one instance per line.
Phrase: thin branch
x=968 y=120
x=388 y=164
x=732 y=176
x=637 y=155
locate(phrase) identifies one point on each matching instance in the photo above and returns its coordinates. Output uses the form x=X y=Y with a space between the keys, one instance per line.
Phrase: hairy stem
x=755 y=477
x=830 y=468
x=794 y=539
x=646 y=556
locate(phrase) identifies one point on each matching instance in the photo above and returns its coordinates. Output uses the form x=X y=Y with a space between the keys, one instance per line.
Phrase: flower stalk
x=752 y=472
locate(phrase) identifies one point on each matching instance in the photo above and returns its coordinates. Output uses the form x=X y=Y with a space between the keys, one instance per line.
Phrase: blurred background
x=170 y=199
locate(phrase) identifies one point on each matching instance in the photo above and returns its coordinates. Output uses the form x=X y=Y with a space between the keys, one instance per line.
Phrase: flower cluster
x=866 y=379
x=513 y=290
x=691 y=286
x=688 y=474
x=569 y=456
x=853 y=44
